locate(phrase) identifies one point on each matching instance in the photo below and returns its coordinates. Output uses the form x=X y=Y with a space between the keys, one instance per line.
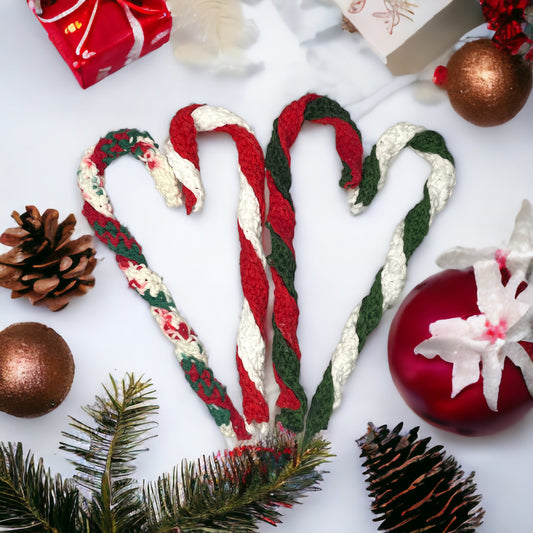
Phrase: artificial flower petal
x=522 y=330
x=491 y=373
x=491 y=294
x=518 y=355
x=465 y=359
x=526 y=295
x=460 y=257
x=522 y=237
x=516 y=255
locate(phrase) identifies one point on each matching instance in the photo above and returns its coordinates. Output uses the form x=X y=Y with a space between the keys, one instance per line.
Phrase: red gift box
x=99 y=37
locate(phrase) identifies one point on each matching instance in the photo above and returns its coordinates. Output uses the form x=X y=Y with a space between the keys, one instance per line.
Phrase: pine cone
x=417 y=489
x=44 y=264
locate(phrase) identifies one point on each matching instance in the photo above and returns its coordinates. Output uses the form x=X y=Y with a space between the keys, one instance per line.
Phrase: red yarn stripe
x=183 y=139
x=183 y=134
x=216 y=399
x=286 y=399
x=255 y=407
x=286 y=313
x=251 y=161
x=190 y=199
x=290 y=122
x=280 y=214
x=349 y=147
x=94 y=216
x=254 y=282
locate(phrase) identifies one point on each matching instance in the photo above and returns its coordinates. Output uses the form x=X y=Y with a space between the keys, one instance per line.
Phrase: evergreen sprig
x=107 y=450
x=235 y=490
x=30 y=497
x=231 y=491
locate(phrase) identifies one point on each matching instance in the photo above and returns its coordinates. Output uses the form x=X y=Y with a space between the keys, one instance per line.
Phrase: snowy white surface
x=48 y=121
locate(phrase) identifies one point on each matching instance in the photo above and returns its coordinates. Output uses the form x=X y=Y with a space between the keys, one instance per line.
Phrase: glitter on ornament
x=486 y=86
x=36 y=369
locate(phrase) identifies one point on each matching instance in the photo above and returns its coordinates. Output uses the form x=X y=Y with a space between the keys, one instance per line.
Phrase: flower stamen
x=493 y=332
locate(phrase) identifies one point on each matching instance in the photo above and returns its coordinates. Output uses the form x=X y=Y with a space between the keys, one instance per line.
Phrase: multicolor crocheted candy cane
x=390 y=278
x=148 y=284
x=182 y=152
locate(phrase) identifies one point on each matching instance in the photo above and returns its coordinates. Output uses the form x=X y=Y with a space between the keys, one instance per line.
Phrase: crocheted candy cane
x=99 y=212
x=281 y=222
x=389 y=280
x=182 y=152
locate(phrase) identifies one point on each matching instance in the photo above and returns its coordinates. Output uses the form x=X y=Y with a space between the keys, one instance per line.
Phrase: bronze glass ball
x=487 y=86
x=36 y=369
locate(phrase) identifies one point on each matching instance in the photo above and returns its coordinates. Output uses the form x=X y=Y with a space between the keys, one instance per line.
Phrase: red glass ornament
x=426 y=384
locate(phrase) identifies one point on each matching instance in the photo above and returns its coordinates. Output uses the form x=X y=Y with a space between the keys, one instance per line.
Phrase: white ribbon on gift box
x=136 y=28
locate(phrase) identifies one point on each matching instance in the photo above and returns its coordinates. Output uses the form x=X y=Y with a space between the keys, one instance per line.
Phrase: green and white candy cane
x=390 y=279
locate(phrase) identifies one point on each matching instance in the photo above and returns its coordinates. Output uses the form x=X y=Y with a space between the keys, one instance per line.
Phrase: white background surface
x=47 y=122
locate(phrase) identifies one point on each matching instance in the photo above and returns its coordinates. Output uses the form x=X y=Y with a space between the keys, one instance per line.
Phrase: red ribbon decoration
x=507 y=18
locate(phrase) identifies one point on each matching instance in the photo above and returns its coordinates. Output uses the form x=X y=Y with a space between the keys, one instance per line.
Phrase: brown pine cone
x=43 y=264
x=415 y=488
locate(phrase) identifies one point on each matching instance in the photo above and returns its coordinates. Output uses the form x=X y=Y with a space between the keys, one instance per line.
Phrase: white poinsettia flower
x=487 y=339
x=516 y=255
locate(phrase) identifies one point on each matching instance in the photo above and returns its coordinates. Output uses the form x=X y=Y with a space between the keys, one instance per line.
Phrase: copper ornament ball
x=36 y=369
x=487 y=86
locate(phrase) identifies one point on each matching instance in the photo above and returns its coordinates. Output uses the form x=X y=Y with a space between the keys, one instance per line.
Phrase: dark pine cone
x=43 y=264
x=416 y=489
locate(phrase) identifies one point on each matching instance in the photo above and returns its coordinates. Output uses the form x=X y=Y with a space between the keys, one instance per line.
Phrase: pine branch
x=232 y=491
x=235 y=490
x=30 y=498
x=107 y=451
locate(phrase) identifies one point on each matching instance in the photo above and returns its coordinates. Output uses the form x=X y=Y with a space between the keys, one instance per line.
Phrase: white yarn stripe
x=163 y=175
x=208 y=118
x=249 y=217
x=388 y=146
x=188 y=174
x=345 y=356
x=251 y=347
x=440 y=184
x=91 y=184
x=394 y=270
x=258 y=431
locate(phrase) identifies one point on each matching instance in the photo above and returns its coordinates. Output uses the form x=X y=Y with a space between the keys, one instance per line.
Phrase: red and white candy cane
x=182 y=153
x=148 y=284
